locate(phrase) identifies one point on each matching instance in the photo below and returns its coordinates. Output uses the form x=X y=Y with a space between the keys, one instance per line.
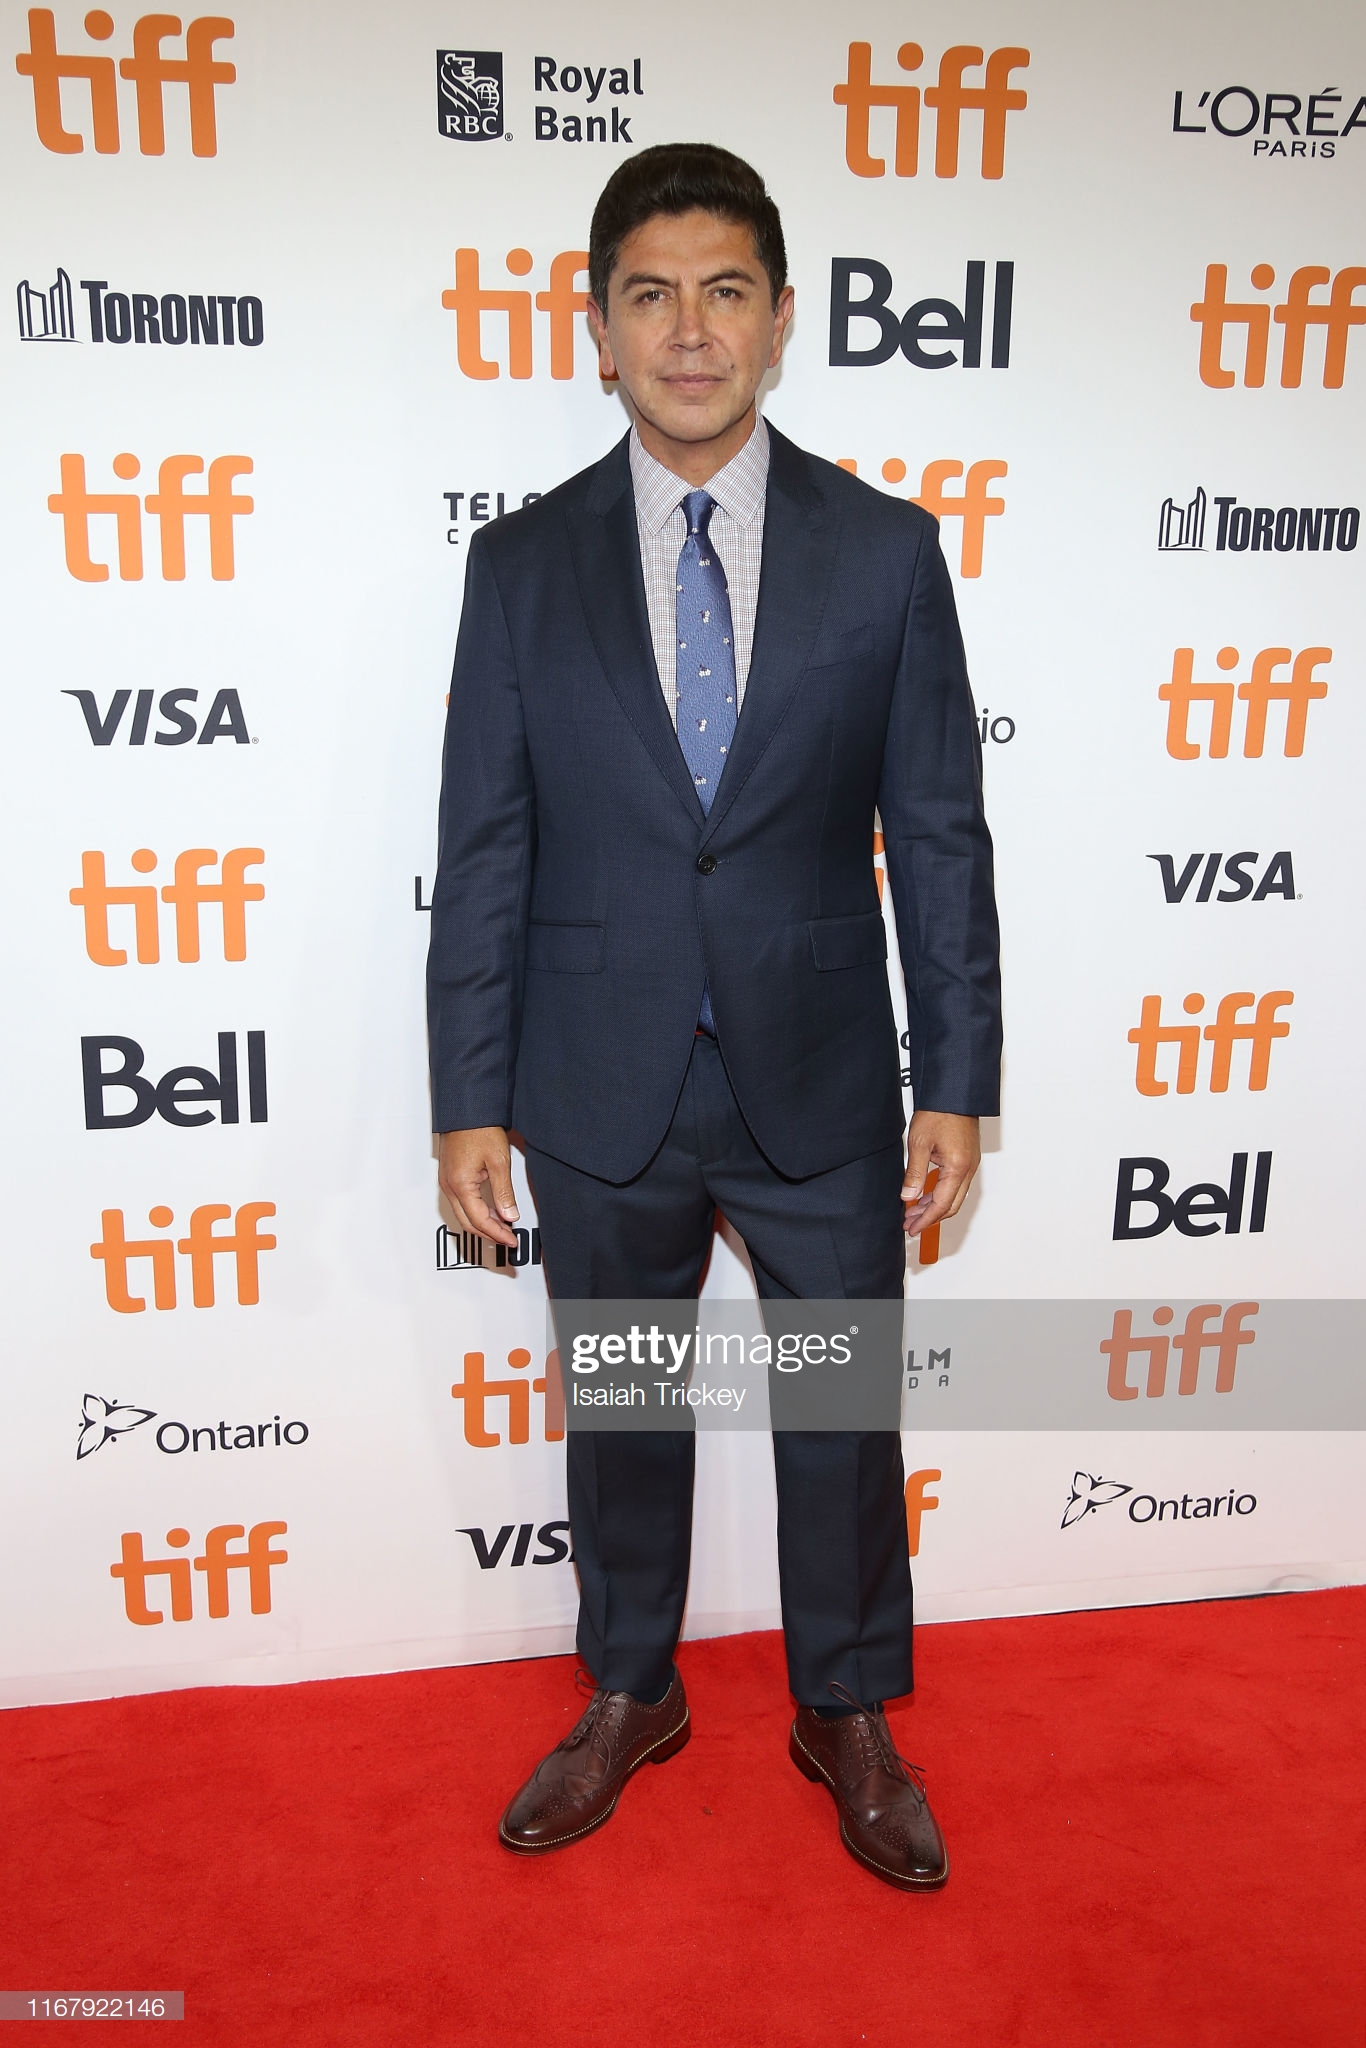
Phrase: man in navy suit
x=685 y=683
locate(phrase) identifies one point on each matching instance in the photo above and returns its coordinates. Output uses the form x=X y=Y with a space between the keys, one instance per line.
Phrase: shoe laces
x=596 y=1726
x=876 y=1748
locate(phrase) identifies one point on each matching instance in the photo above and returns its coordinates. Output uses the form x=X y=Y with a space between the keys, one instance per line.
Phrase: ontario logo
x=1090 y=1492
x=103 y=1422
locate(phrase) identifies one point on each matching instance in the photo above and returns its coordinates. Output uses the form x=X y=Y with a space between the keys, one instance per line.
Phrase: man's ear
x=782 y=315
x=597 y=327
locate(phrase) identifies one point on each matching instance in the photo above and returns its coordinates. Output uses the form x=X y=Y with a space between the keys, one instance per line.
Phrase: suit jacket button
x=706 y=864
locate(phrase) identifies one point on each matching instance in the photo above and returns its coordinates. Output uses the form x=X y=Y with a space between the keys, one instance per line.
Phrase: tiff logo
x=47 y=315
x=1122 y=1345
x=170 y=504
x=232 y=893
x=149 y=69
x=475 y=1391
x=1259 y=1033
x=470 y=302
x=1181 y=528
x=1297 y=692
x=243 y=1243
x=217 y=1564
x=974 y=504
x=919 y=1503
x=949 y=99
x=1337 y=315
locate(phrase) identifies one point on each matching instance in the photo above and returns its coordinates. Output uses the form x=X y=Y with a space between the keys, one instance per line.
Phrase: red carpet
x=1157 y=1819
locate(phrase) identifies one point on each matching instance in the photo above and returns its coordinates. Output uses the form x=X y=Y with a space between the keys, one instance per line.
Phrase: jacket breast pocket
x=566 y=948
x=848 y=941
x=837 y=647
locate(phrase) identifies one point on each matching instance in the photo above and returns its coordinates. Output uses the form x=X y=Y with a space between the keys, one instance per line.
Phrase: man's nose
x=690 y=326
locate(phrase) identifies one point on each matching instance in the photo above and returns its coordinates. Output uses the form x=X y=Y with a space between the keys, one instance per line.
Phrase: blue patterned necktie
x=704 y=666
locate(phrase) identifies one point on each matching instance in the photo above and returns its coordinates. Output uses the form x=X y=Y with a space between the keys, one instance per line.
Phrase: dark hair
x=675 y=177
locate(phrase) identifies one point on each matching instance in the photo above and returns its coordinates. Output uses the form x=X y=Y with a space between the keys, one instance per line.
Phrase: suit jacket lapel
x=799 y=558
x=606 y=548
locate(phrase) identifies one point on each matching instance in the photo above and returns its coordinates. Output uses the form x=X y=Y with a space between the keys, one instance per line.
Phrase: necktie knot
x=698 y=507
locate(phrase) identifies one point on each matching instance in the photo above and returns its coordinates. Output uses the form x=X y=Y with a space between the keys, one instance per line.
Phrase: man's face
x=690 y=324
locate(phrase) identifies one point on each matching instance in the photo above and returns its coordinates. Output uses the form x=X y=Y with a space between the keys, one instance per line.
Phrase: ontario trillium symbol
x=1089 y=1493
x=101 y=1420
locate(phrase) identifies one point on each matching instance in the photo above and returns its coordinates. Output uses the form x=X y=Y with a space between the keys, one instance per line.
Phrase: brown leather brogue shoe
x=578 y=1785
x=885 y=1818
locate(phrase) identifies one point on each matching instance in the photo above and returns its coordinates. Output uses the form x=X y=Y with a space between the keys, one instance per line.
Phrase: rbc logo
x=469 y=94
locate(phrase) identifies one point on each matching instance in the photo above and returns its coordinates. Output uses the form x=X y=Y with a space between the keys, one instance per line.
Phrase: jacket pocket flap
x=848 y=941
x=566 y=948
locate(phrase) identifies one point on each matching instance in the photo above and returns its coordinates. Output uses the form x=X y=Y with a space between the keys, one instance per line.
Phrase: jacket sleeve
x=485 y=850
x=939 y=857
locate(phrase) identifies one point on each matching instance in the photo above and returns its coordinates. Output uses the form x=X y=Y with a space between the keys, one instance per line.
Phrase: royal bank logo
x=469 y=94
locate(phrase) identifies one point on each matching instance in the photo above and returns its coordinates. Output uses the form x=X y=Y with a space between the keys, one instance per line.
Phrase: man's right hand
x=475 y=1173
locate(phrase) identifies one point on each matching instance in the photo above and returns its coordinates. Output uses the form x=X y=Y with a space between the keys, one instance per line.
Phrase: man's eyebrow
x=639 y=277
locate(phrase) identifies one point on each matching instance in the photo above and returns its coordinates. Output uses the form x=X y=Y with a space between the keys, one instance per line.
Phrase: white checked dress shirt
x=736 y=531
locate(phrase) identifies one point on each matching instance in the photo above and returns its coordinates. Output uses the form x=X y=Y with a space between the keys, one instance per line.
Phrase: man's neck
x=695 y=461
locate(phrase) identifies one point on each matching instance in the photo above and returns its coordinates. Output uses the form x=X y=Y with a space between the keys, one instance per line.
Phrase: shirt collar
x=738 y=487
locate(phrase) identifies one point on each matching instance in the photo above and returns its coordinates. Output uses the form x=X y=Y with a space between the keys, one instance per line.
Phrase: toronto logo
x=102 y=1421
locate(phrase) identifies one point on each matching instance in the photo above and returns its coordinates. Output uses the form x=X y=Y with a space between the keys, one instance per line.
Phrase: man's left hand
x=952 y=1146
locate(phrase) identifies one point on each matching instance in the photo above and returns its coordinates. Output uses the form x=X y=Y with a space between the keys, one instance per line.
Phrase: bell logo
x=1338 y=314
x=217 y=1565
x=474 y=1391
x=974 y=504
x=469 y=301
x=1122 y=1345
x=1260 y=1031
x=149 y=69
x=950 y=99
x=232 y=893
x=1297 y=692
x=244 y=1243
x=170 y=504
x=918 y=1504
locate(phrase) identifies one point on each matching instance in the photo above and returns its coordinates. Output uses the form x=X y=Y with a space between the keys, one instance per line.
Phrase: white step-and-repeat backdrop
x=296 y=305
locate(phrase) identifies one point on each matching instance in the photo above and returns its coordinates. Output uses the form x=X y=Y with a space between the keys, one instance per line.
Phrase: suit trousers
x=842 y=1557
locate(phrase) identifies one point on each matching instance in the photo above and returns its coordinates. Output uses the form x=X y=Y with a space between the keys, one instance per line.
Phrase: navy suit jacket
x=581 y=897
